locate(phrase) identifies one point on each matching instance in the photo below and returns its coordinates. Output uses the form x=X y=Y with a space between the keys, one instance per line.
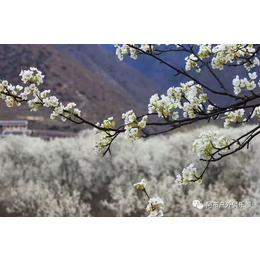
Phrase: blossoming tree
x=182 y=105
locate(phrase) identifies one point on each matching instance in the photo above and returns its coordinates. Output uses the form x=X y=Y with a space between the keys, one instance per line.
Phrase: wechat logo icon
x=197 y=204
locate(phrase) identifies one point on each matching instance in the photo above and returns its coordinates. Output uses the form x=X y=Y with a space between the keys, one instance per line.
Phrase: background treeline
x=64 y=177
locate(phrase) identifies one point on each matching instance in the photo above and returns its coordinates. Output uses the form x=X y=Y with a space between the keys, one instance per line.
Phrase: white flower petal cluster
x=191 y=62
x=132 y=126
x=104 y=137
x=13 y=90
x=222 y=54
x=102 y=143
x=204 y=51
x=125 y=50
x=34 y=97
x=64 y=111
x=256 y=112
x=155 y=207
x=244 y=84
x=140 y=185
x=188 y=175
x=188 y=97
x=233 y=53
x=33 y=75
x=210 y=109
x=233 y=117
x=208 y=142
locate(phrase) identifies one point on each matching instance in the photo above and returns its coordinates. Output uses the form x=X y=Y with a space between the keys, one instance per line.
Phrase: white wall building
x=13 y=127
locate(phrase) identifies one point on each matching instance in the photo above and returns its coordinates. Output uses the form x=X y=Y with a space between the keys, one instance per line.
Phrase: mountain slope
x=109 y=69
x=93 y=84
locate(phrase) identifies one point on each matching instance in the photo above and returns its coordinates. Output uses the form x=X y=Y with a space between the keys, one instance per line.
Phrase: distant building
x=13 y=126
x=20 y=127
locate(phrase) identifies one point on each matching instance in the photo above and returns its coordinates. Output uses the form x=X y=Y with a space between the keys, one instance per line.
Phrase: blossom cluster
x=125 y=50
x=245 y=84
x=5 y=87
x=155 y=207
x=32 y=76
x=204 y=51
x=233 y=53
x=210 y=109
x=192 y=60
x=133 y=126
x=188 y=175
x=208 y=142
x=132 y=50
x=104 y=137
x=140 y=185
x=34 y=97
x=222 y=55
x=256 y=112
x=188 y=97
x=233 y=117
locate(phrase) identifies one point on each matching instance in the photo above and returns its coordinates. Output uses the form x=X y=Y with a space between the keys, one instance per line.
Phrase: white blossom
x=103 y=139
x=208 y=142
x=236 y=81
x=188 y=175
x=32 y=76
x=233 y=53
x=252 y=75
x=126 y=50
x=140 y=185
x=188 y=97
x=132 y=125
x=204 y=51
x=233 y=117
x=191 y=62
x=155 y=207
x=210 y=108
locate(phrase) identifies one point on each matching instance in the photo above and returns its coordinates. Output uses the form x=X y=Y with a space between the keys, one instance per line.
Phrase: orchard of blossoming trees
x=63 y=177
x=185 y=104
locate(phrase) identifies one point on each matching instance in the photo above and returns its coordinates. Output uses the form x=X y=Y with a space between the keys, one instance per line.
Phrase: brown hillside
x=95 y=91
